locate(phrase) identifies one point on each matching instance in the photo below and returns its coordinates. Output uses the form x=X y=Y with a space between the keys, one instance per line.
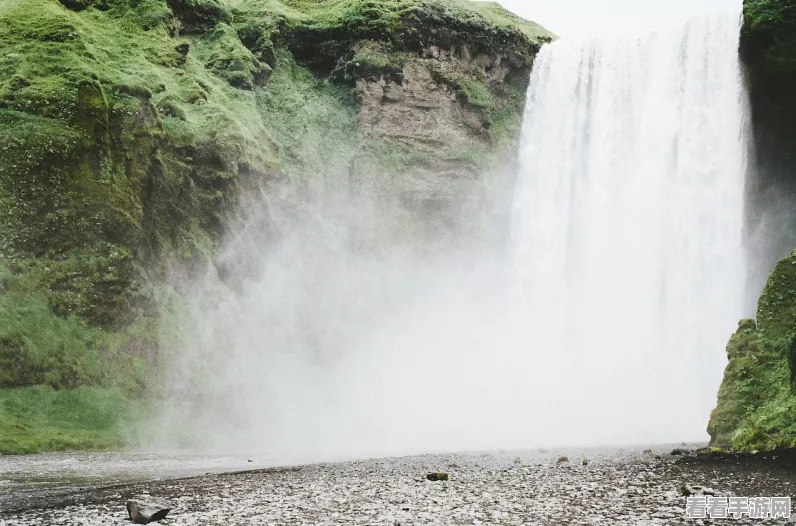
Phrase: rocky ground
x=505 y=488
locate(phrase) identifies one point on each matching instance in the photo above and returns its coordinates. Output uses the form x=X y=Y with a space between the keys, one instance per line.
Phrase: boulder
x=437 y=477
x=562 y=460
x=144 y=512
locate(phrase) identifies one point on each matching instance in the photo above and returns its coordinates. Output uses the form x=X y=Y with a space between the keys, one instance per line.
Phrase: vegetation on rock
x=757 y=399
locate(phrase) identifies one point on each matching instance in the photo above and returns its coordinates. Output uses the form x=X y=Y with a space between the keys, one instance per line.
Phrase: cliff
x=757 y=400
x=129 y=130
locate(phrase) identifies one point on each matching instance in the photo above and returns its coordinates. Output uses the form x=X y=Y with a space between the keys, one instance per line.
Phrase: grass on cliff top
x=387 y=13
x=37 y=419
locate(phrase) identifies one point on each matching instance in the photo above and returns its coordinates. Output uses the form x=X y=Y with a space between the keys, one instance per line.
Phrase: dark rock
x=562 y=460
x=437 y=477
x=679 y=452
x=585 y=461
x=198 y=16
x=647 y=451
x=79 y=5
x=145 y=512
x=182 y=53
x=251 y=461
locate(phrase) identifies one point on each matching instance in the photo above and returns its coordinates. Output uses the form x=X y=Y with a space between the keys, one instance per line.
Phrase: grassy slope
x=121 y=151
x=34 y=419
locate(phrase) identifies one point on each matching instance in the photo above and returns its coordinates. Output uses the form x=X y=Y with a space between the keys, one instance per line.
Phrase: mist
x=329 y=351
x=594 y=316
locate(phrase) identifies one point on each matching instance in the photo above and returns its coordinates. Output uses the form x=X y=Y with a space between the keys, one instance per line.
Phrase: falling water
x=629 y=219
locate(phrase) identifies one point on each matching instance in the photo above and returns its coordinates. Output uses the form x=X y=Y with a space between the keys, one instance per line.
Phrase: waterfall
x=605 y=322
x=628 y=225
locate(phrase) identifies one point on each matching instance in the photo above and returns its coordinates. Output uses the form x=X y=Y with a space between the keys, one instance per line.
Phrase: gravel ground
x=502 y=488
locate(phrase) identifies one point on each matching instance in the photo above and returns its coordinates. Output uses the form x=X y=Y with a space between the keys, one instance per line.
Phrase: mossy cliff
x=768 y=52
x=757 y=399
x=128 y=129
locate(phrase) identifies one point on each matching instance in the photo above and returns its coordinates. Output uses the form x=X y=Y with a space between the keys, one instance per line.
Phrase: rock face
x=449 y=110
x=131 y=129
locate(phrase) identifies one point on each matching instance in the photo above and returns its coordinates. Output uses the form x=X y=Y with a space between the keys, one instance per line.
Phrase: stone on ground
x=142 y=512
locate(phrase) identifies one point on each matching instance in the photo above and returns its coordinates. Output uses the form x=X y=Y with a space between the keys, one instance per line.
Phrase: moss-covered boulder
x=757 y=400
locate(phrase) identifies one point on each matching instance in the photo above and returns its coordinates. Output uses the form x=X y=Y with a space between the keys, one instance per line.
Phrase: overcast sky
x=584 y=18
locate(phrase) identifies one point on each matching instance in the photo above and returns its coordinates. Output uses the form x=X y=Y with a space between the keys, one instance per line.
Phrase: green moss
x=37 y=419
x=39 y=345
x=769 y=40
x=757 y=403
x=88 y=161
x=472 y=91
x=312 y=123
x=232 y=61
x=372 y=62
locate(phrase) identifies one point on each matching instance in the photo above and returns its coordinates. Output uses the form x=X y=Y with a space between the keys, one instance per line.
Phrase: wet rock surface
x=617 y=487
